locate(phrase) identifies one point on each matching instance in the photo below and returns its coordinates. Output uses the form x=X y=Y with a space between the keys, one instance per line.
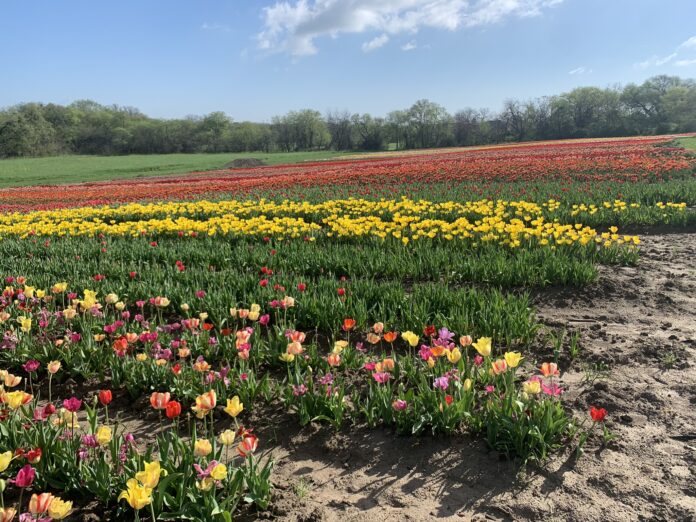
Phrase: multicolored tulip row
x=572 y=164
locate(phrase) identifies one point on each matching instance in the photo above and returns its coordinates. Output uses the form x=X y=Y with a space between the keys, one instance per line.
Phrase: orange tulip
x=549 y=370
x=390 y=337
x=348 y=324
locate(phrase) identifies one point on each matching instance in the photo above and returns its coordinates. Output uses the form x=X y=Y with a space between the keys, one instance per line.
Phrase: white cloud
x=215 y=27
x=293 y=26
x=655 y=61
x=410 y=46
x=375 y=43
x=580 y=70
x=691 y=42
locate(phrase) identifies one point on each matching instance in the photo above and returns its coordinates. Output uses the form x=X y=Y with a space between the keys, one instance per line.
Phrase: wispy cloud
x=685 y=63
x=375 y=43
x=294 y=26
x=656 y=61
x=215 y=27
x=690 y=43
x=410 y=46
x=580 y=70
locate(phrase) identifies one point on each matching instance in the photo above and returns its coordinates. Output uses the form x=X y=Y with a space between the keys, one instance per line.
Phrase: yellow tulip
x=16 y=399
x=286 y=357
x=219 y=472
x=5 y=459
x=513 y=359
x=103 y=435
x=25 y=323
x=483 y=346
x=411 y=338
x=234 y=406
x=136 y=495
x=202 y=448
x=59 y=508
x=226 y=438
x=453 y=355
x=205 y=484
x=531 y=387
x=150 y=476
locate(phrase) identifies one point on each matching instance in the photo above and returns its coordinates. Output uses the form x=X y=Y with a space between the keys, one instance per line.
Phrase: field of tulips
x=386 y=293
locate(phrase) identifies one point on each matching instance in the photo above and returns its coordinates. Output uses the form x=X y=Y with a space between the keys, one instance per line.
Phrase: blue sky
x=253 y=59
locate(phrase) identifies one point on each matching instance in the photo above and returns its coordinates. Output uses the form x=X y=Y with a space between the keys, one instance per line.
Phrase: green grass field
x=75 y=169
x=687 y=143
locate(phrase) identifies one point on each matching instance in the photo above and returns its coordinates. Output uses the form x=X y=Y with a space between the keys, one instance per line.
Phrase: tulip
x=5 y=459
x=531 y=387
x=205 y=402
x=408 y=336
x=499 y=366
x=16 y=399
x=234 y=406
x=206 y=484
x=34 y=456
x=136 y=495
x=202 y=448
x=103 y=435
x=248 y=445
x=348 y=324
x=53 y=367
x=334 y=359
x=453 y=355
x=40 y=503
x=173 y=409
x=287 y=357
x=549 y=370
x=597 y=414
x=483 y=346
x=105 y=397
x=465 y=340
x=513 y=359
x=72 y=404
x=150 y=476
x=7 y=514
x=227 y=437
x=399 y=405
x=390 y=337
x=25 y=476
x=59 y=508
x=31 y=365
x=159 y=400
x=219 y=472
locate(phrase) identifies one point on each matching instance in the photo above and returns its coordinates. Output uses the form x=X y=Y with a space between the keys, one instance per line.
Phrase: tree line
x=662 y=104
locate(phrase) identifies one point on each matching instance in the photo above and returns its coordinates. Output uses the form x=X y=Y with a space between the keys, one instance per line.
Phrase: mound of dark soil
x=244 y=163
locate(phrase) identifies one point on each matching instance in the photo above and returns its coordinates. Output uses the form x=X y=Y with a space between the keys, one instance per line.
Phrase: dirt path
x=638 y=322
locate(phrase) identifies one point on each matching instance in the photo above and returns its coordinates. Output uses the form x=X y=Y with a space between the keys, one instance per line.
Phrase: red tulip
x=105 y=397
x=597 y=414
x=248 y=445
x=173 y=409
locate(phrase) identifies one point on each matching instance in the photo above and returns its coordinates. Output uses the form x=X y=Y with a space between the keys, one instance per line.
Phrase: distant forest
x=663 y=104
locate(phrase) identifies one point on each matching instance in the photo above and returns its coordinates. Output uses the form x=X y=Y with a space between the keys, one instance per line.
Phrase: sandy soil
x=639 y=323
